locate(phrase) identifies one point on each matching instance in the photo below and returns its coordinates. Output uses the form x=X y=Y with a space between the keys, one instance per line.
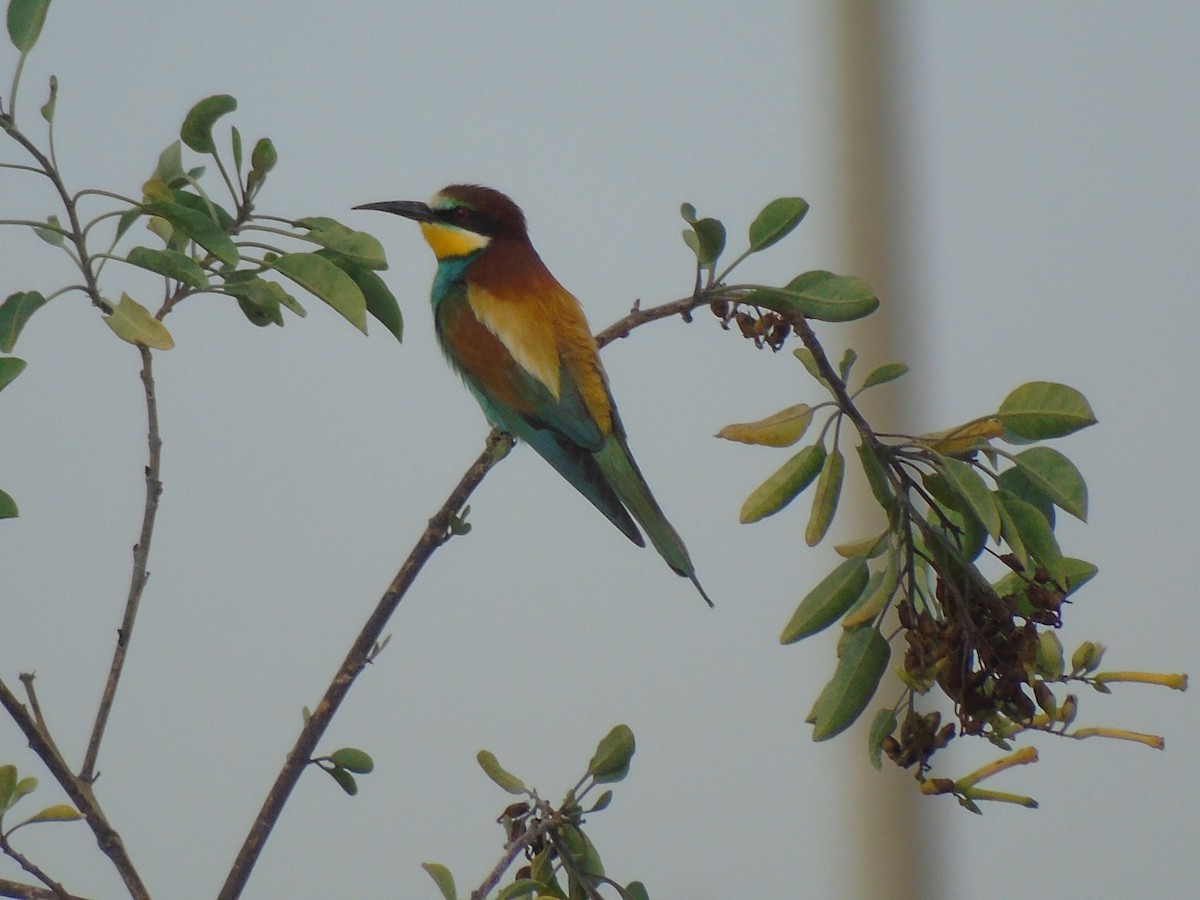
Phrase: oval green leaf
x=710 y=234
x=818 y=295
x=782 y=429
x=882 y=727
x=973 y=491
x=170 y=263
x=610 y=762
x=197 y=127
x=522 y=887
x=356 y=246
x=784 y=485
x=323 y=279
x=776 y=221
x=883 y=374
x=59 y=812
x=862 y=659
x=345 y=780
x=825 y=500
x=442 y=878
x=8 y=506
x=500 y=775
x=875 y=596
x=1035 y=533
x=353 y=760
x=8 y=783
x=1043 y=409
x=197 y=226
x=821 y=607
x=381 y=302
x=10 y=368
x=52 y=233
x=876 y=476
x=132 y=322
x=25 y=21
x=14 y=313
x=1056 y=478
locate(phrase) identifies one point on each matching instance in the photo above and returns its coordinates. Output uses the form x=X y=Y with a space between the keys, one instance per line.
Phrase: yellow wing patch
x=525 y=330
x=448 y=242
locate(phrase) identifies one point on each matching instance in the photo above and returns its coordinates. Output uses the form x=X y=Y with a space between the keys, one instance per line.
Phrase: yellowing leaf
x=782 y=429
x=132 y=322
x=963 y=438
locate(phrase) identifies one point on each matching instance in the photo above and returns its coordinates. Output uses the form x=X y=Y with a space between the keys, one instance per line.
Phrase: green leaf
x=610 y=762
x=344 y=779
x=822 y=606
x=973 y=491
x=199 y=227
x=504 y=778
x=862 y=659
x=170 y=263
x=25 y=21
x=688 y=211
x=636 y=891
x=1014 y=480
x=53 y=235
x=381 y=302
x=201 y=205
x=883 y=374
x=323 y=279
x=442 y=878
x=1034 y=531
x=582 y=850
x=47 y=108
x=849 y=358
x=776 y=221
x=8 y=784
x=132 y=322
x=59 y=812
x=809 y=362
x=260 y=300
x=169 y=169
x=602 y=802
x=264 y=156
x=197 y=127
x=875 y=596
x=1056 y=477
x=782 y=429
x=710 y=241
x=876 y=476
x=825 y=500
x=235 y=140
x=14 y=313
x=882 y=727
x=522 y=887
x=353 y=760
x=818 y=295
x=10 y=368
x=784 y=485
x=1042 y=409
x=1075 y=573
x=8 y=506
x=357 y=246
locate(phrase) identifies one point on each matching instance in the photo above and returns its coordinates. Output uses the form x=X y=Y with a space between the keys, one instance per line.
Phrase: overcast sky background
x=1045 y=186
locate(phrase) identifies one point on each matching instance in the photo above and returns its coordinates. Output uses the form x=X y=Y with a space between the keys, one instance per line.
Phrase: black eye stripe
x=470 y=219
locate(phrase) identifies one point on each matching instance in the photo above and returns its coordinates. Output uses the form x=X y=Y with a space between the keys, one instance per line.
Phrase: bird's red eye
x=460 y=214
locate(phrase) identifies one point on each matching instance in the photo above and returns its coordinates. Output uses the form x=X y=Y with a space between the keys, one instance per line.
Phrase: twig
x=436 y=533
x=22 y=891
x=139 y=576
x=548 y=821
x=56 y=889
x=78 y=790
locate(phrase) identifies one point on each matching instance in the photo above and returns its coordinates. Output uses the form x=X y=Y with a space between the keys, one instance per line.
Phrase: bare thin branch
x=140 y=574
x=78 y=790
x=436 y=533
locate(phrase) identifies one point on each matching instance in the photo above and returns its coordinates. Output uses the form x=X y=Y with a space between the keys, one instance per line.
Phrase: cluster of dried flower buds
x=765 y=328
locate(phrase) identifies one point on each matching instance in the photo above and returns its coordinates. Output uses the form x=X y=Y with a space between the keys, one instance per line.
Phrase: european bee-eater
x=523 y=347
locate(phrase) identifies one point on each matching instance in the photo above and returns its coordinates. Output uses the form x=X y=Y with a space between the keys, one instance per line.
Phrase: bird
x=523 y=347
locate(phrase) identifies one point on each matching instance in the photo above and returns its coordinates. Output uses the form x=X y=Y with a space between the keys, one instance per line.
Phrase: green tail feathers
x=623 y=474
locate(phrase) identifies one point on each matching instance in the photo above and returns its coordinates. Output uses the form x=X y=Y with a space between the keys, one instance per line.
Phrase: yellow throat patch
x=448 y=242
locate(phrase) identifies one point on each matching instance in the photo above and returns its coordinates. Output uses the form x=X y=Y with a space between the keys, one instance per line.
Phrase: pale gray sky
x=1048 y=185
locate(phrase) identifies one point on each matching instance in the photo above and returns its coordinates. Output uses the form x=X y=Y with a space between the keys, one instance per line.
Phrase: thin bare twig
x=78 y=790
x=140 y=574
x=436 y=533
x=21 y=891
x=56 y=889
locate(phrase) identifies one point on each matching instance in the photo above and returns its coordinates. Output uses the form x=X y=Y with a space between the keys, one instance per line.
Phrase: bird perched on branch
x=521 y=343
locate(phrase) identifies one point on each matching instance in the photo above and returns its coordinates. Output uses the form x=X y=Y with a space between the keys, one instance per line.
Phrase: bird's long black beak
x=410 y=209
